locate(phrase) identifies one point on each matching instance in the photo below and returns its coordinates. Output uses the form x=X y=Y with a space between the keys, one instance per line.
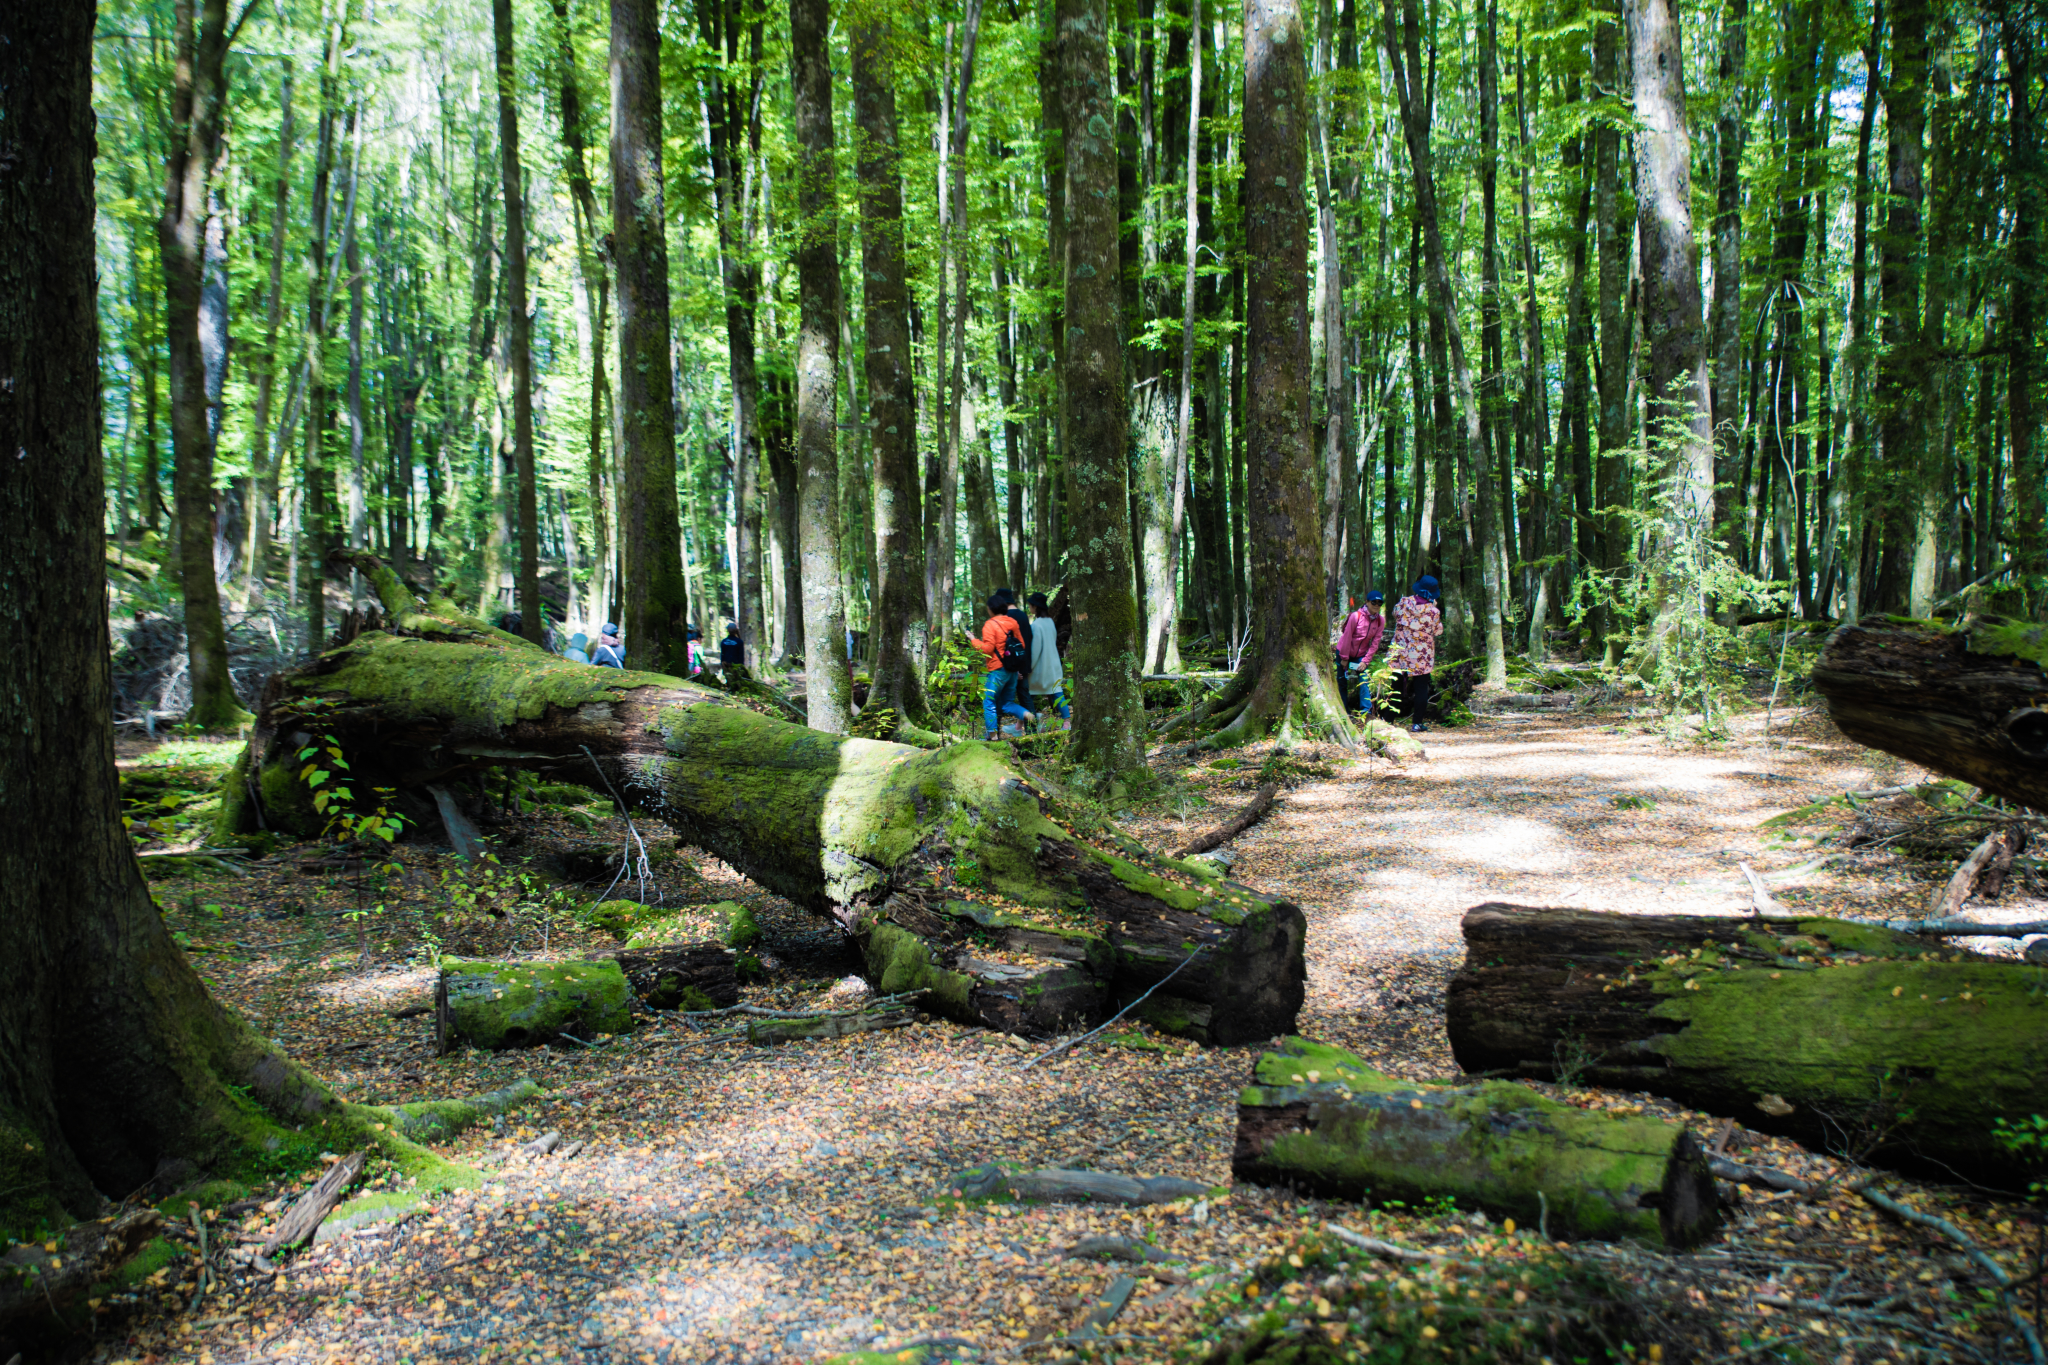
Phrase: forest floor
x=787 y=1203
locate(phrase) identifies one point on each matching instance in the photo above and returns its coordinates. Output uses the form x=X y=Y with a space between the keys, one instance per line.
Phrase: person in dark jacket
x=732 y=653
x=610 y=649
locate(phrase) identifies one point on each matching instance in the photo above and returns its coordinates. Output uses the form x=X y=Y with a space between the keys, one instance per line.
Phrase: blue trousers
x=999 y=693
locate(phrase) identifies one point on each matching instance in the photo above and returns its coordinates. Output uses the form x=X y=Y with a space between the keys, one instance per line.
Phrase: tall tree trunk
x=315 y=520
x=262 y=468
x=198 y=105
x=1336 y=386
x=1730 y=130
x=2023 y=361
x=1492 y=391
x=1184 y=434
x=827 y=686
x=597 y=301
x=1103 y=656
x=1403 y=46
x=352 y=386
x=118 y=1059
x=655 y=595
x=1901 y=412
x=898 y=624
x=1610 y=528
x=1856 y=350
x=519 y=329
x=1285 y=687
x=1680 y=403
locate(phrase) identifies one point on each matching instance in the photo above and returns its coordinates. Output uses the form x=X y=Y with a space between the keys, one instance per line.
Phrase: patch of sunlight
x=1503 y=844
x=375 y=987
x=192 y=753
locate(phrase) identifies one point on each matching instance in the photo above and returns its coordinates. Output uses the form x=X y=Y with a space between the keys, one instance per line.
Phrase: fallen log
x=685 y=976
x=1230 y=829
x=1848 y=1037
x=44 y=1280
x=998 y=1181
x=809 y=1027
x=307 y=1212
x=948 y=867
x=1317 y=1118
x=498 y=1005
x=1962 y=700
x=1984 y=870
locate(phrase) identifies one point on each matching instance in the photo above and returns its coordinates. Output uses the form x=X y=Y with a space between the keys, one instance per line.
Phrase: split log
x=1317 y=1118
x=310 y=1209
x=941 y=864
x=685 y=976
x=1961 y=700
x=997 y=1181
x=1844 y=1036
x=498 y=1005
x=1983 y=871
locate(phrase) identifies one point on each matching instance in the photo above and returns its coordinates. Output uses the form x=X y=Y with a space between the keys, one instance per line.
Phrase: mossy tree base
x=1850 y=1037
x=868 y=833
x=1964 y=701
x=1317 y=1118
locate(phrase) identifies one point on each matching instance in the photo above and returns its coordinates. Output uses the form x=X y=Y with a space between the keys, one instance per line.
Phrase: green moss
x=288 y=802
x=909 y=1355
x=617 y=918
x=737 y=927
x=2011 y=639
x=368 y=1210
x=210 y=1195
x=155 y=1254
x=899 y=961
x=439 y=1120
x=497 y=1005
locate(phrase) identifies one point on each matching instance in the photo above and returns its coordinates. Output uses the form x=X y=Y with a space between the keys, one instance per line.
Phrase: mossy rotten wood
x=1870 y=1038
x=1317 y=1118
x=1965 y=701
x=498 y=1005
x=866 y=832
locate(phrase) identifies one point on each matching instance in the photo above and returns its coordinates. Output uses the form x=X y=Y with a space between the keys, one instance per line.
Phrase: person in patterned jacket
x=1417 y=622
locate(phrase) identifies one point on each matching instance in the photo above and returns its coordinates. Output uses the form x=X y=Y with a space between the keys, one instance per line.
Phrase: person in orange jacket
x=1008 y=652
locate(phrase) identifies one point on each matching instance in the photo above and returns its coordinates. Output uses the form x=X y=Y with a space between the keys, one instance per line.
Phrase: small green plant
x=2027 y=1139
x=1632 y=801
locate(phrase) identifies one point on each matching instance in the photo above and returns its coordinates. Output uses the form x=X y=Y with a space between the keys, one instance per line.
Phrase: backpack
x=1016 y=656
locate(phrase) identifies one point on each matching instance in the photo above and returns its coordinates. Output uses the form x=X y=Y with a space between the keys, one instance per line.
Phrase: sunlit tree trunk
x=826 y=683
x=519 y=324
x=2023 y=362
x=1901 y=411
x=1103 y=658
x=1731 y=126
x=1610 y=471
x=654 y=594
x=262 y=467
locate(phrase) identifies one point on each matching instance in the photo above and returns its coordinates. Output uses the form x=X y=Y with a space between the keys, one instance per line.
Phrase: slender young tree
x=1103 y=659
x=826 y=683
x=2023 y=364
x=198 y=107
x=262 y=467
x=519 y=324
x=655 y=595
x=899 y=590
x=1730 y=130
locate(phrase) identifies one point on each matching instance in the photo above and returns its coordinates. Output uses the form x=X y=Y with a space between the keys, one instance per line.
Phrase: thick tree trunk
x=1730 y=131
x=1848 y=1037
x=654 y=591
x=827 y=685
x=1103 y=661
x=519 y=329
x=1901 y=408
x=898 y=628
x=1965 y=702
x=263 y=467
x=924 y=857
x=120 y=1069
x=1317 y=1118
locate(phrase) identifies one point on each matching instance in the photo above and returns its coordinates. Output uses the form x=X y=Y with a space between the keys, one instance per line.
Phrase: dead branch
x=1244 y=820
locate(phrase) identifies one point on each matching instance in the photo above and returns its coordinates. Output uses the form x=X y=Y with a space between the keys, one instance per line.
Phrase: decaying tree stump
x=1849 y=1037
x=1965 y=701
x=682 y=976
x=1317 y=1118
x=498 y=1005
x=947 y=866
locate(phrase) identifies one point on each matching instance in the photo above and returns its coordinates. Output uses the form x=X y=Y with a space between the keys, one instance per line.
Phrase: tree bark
x=1964 y=702
x=827 y=685
x=655 y=593
x=1103 y=661
x=519 y=323
x=1730 y=132
x=1317 y=1118
x=1901 y=411
x=1680 y=404
x=1845 y=1036
x=887 y=841
x=263 y=467
x=198 y=106
x=119 y=1064
x=898 y=624
x=2023 y=363
x=688 y=976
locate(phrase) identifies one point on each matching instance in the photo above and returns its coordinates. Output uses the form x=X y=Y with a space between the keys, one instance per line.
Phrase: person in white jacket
x=1045 y=681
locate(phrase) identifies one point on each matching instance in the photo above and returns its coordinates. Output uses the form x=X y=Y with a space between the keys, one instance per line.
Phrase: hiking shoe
x=1417 y=728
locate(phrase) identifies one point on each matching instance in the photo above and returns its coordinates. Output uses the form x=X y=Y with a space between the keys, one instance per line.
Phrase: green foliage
x=2027 y=1139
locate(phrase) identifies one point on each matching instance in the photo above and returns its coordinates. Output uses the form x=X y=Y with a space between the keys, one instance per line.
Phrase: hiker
x=731 y=652
x=693 y=645
x=610 y=650
x=1417 y=623
x=1043 y=684
x=1357 y=642
x=1009 y=657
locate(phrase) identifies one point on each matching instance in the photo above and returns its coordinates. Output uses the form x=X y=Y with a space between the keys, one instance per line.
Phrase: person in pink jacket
x=1357 y=642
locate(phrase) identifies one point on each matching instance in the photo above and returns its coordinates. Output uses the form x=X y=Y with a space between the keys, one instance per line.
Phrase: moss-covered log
x=948 y=867
x=1317 y=1118
x=1965 y=701
x=497 y=1005
x=682 y=976
x=1848 y=1037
